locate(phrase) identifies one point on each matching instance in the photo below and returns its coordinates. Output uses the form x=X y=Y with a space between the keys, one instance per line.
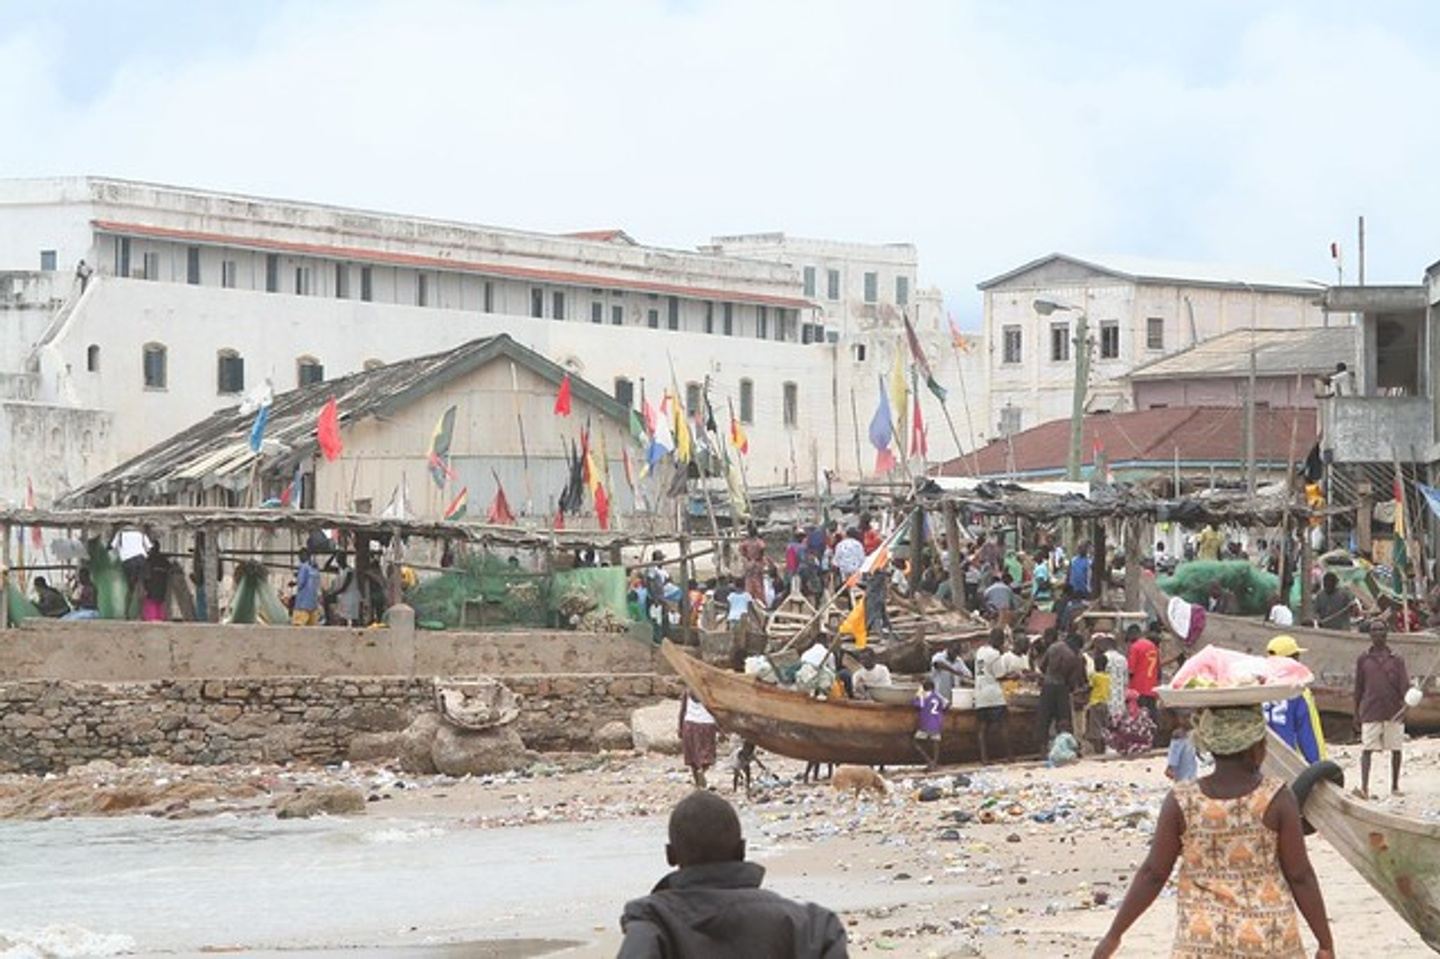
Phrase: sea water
x=141 y=886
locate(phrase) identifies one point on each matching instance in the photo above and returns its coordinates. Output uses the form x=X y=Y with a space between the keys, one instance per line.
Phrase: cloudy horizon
x=986 y=134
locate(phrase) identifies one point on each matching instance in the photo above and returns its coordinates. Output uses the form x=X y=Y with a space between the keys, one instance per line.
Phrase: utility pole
x=1361 y=252
x=1250 y=422
x=1077 y=403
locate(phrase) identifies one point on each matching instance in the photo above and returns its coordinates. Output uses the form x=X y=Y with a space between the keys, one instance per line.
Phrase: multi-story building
x=189 y=299
x=1136 y=311
x=860 y=291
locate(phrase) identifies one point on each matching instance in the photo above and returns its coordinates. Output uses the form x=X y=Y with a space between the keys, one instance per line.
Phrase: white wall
x=1042 y=388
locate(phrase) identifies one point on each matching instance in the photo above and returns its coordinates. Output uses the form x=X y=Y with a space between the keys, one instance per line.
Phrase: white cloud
x=938 y=123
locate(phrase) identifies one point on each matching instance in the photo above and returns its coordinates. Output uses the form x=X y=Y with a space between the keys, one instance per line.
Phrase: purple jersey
x=932 y=712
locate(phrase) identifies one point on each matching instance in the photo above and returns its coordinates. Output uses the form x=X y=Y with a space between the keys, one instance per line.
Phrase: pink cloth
x=152 y=610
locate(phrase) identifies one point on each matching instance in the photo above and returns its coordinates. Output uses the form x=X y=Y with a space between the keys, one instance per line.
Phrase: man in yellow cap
x=1295 y=720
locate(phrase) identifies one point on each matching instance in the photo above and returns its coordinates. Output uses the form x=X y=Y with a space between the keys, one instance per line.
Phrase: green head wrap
x=1227 y=730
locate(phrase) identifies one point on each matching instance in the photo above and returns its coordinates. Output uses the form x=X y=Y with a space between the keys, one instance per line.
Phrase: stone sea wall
x=48 y=724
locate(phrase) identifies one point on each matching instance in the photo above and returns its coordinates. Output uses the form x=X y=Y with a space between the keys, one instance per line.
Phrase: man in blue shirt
x=306 y=611
x=1079 y=578
x=1295 y=720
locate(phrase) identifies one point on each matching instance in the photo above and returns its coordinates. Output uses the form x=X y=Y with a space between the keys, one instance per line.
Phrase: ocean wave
x=62 y=942
x=401 y=834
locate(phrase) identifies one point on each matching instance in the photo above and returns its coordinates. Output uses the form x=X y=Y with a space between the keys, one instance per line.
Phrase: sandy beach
x=1009 y=861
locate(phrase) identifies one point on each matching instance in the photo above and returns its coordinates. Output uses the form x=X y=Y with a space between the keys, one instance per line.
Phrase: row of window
x=1012 y=340
x=871 y=284
x=695 y=397
x=777 y=321
x=229 y=368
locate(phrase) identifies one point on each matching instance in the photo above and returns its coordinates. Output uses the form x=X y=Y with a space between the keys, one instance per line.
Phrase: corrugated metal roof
x=1277 y=353
x=1144 y=269
x=216 y=451
x=1195 y=435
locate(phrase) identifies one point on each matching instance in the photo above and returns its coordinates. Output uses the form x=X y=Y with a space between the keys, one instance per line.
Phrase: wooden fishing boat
x=835 y=730
x=1398 y=855
x=1331 y=655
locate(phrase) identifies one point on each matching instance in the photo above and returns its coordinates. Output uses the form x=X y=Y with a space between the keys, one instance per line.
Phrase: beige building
x=505 y=427
x=1137 y=311
x=860 y=291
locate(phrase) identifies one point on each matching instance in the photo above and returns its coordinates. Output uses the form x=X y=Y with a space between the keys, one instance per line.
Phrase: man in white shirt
x=849 y=555
x=738 y=603
x=1280 y=614
x=989 y=697
x=945 y=667
x=817 y=667
x=869 y=675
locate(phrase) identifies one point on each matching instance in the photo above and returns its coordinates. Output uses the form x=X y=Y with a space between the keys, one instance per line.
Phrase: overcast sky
x=986 y=133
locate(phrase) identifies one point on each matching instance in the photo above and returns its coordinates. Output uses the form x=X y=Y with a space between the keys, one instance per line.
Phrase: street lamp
x=1046 y=307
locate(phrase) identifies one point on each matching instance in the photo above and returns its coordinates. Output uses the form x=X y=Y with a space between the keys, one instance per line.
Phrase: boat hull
x=1398 y=855
x=1331 y=656
x=835 y=731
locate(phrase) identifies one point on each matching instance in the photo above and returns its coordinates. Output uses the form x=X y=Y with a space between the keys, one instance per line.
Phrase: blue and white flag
x=1432 y=497
x=257 y=432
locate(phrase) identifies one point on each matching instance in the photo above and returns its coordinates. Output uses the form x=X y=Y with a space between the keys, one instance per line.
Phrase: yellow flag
x=682 y=432
x=899 y=395
x=854 y=624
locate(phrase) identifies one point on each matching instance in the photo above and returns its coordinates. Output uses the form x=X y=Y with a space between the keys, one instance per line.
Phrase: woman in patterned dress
x=1243 y=863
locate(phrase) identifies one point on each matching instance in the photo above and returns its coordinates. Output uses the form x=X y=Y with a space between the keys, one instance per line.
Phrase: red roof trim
x=443 y=263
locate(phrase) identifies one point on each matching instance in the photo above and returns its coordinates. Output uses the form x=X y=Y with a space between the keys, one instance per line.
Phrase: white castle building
x=187 y=299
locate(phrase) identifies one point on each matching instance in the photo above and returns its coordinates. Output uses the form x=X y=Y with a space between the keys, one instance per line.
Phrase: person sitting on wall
x=49 y=600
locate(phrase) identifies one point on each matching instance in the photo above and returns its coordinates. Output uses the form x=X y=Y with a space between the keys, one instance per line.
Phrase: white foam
x=399 y=834
x=62 y=942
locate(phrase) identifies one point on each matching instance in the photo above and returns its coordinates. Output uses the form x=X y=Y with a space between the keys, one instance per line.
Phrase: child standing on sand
x=931 y=706
x=1181 y=765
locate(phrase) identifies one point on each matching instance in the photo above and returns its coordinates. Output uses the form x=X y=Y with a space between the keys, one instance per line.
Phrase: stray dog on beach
x=858 y=779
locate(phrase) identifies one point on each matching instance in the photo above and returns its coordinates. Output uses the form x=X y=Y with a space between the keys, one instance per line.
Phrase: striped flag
x=918 y=353
x=456 y=509
x=438 y=458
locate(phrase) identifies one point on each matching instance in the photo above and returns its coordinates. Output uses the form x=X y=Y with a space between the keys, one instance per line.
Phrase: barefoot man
x=1380 y=684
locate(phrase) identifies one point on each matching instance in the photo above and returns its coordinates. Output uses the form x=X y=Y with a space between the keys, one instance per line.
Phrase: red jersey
x=871 y=541
x=1144 y=665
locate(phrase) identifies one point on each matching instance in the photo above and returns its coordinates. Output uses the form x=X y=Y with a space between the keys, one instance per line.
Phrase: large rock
x=416 y=742
x=614 y=735
x=464 y=752
x=377 y=747
x=330 y=800
x=655 y=729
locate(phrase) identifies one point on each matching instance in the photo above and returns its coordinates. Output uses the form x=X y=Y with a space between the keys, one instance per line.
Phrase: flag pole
x=855 y=426
x=740 y=458
x=524 y=451
x=965 y=398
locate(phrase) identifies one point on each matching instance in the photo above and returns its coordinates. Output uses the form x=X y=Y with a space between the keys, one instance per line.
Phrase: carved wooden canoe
x=794 y=724
x=1331 y=655
x=1398 y=855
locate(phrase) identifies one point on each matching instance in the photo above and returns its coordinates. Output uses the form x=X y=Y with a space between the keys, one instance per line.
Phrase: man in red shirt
x=1143 y=662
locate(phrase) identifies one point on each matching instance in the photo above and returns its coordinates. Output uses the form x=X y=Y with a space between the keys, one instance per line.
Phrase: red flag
x=327 y=431
x=560 y=519
x=457 y=506
x=562 y=398
x=629 y=470
x=602 y=507
x=37 y=536
x=500 y=508
x=919 y=441
x=884 y=461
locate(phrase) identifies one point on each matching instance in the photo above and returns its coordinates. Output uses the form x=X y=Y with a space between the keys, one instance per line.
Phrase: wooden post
x=1307 y=607
x=5 y=579
x=917 y=547
x=1131 y=533
x=1362 y=517
x=1099 y=567
x=207 y=546
x=687 y=631
x=952 y=545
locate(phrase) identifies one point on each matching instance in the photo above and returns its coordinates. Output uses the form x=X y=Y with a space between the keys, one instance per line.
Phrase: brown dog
x=858 y=779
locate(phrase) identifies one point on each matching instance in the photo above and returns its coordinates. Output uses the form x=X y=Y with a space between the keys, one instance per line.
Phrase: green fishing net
x=1251 y=587
x=486 y=592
